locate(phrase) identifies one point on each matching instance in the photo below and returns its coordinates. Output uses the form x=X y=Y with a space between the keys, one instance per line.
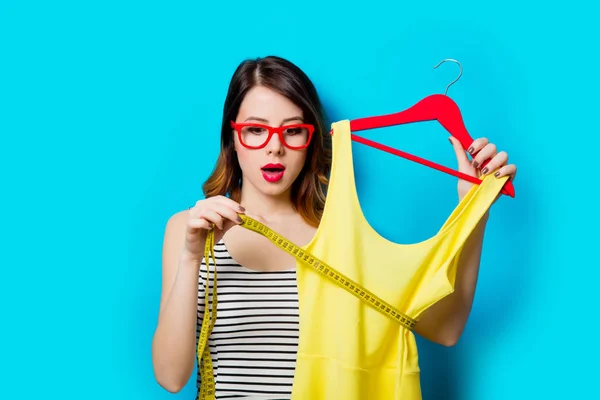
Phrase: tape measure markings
x=329 y=272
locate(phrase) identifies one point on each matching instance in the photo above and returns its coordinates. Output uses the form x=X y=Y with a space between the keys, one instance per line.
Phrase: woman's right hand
x=219 y=212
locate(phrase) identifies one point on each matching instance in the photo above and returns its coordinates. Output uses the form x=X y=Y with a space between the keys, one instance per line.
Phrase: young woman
x=280 y=180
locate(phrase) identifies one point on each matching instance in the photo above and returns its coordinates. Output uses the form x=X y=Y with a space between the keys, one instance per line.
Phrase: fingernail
x=497 y=174
x=475 y=164
x=471 y=150
x=242 y=209
x=450 y=141
x=240 y=220
x=485 y=170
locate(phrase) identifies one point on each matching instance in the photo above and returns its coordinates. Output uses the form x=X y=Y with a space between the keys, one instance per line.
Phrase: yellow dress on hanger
x=348 y=350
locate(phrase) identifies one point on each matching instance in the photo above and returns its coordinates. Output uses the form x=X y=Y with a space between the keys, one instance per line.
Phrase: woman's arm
x=444 y=322
x=174 y=343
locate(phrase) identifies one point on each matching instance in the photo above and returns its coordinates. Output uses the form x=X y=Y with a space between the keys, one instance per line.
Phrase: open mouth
x=272 y=172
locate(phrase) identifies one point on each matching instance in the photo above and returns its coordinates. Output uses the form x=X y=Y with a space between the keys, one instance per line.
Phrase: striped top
x=255 y=338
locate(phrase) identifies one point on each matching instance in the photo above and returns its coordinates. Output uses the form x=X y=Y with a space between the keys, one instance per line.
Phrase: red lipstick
x=272 y=172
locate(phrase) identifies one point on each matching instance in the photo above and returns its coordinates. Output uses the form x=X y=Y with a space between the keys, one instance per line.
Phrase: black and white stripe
x=255 y=339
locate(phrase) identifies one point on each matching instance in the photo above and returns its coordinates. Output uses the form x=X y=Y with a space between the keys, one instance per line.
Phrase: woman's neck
x=266 y=206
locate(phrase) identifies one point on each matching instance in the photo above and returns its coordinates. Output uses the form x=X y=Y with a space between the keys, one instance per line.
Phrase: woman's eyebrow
x=256 y=119
x=297 y=118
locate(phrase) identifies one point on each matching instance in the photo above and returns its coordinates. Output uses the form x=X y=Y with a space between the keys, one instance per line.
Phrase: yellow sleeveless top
x=347 y=349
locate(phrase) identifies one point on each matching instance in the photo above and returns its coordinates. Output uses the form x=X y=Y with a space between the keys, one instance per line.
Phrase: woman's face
x=265 y=106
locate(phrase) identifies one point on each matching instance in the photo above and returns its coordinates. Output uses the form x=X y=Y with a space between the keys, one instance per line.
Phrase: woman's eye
x=256 y=130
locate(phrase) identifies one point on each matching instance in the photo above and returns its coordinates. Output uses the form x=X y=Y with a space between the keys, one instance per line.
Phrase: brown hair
x=282 y=76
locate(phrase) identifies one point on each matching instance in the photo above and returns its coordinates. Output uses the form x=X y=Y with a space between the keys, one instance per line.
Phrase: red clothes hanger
x=436 y=107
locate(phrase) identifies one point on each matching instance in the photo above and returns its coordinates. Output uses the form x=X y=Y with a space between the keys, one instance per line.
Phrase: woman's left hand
x=498 y=164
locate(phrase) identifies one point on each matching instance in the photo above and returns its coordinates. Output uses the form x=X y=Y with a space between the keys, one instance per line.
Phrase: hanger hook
x=459 y=75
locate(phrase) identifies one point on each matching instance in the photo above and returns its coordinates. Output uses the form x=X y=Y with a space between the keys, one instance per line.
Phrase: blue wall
x=109 y=119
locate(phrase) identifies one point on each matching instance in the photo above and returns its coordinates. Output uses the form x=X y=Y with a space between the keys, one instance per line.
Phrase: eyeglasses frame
x=273 y=130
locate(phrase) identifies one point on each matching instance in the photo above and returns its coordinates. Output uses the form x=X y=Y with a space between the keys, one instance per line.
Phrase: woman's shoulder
x=174 y=231
x=179 y=217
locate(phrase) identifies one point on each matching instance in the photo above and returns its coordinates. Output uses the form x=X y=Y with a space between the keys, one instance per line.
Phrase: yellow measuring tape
x=207 y=388
x=207 y=391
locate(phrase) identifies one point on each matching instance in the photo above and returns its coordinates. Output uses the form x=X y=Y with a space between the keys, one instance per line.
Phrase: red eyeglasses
x=256 y=136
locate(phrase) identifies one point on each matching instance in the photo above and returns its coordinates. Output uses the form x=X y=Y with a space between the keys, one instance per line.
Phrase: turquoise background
x=109 y=124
